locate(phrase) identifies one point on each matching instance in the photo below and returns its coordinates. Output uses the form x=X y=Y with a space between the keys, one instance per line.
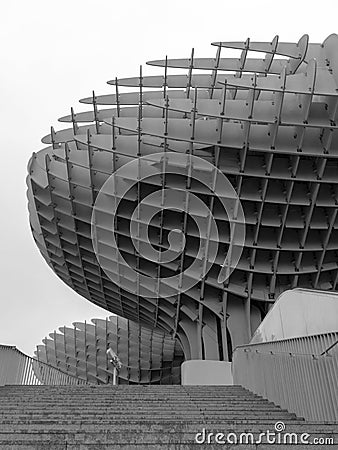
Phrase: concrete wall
x=297 y=313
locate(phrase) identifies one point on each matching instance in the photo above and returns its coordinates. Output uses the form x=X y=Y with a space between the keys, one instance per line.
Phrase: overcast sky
x=56 y=52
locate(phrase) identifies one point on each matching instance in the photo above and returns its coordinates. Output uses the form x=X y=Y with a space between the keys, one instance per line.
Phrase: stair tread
x=138 y=416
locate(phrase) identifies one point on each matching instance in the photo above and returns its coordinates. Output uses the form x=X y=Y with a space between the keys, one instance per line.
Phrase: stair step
x=113 y=439
x=139 y=417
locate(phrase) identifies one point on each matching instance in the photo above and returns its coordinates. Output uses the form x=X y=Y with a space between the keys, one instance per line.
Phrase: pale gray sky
x=56 y=52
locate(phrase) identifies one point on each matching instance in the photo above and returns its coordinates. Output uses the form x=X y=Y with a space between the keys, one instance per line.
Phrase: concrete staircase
x=142 y=417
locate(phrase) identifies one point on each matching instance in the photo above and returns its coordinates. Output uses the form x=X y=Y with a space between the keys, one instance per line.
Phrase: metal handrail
x=294 y=354
x=316 y=344
x=278 y=341
x=18 y=368
x=302 y=383
x=69 y=377
x=329 y=348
